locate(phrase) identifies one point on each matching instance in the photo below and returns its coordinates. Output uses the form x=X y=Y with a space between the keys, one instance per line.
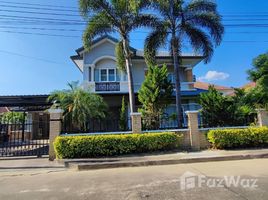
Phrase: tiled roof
x=205 y=86
x=166 y=54
x=249 y=85
x=3 y=110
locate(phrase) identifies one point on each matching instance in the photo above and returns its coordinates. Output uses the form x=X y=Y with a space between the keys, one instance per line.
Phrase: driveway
x=250 y=181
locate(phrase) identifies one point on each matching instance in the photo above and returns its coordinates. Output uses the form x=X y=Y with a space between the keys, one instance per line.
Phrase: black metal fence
x=24 y=139
x=163 y=122
x=239 y=121
x=97 y=126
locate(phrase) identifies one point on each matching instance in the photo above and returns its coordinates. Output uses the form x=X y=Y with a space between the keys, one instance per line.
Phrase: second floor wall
x=100 y=72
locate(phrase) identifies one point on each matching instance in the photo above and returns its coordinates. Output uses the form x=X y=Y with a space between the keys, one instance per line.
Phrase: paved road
x=154 y=182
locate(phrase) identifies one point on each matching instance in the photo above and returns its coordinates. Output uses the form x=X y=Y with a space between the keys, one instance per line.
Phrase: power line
x=41 y=34
x=43 y=29
x=134 y=39
x=31 y=57
x=81 y=30
x=40 y=13
x=40 y=18
x=39 y=8
x=37 y=4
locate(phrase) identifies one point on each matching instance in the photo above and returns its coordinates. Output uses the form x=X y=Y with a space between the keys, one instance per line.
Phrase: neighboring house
x=223 y=89
x=249 y=86
x=3 y=110
x=101 y=76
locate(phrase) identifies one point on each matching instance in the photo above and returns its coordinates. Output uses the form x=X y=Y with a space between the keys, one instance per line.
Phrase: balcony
x=107 y=86
x=185 y=86
x=122 y=86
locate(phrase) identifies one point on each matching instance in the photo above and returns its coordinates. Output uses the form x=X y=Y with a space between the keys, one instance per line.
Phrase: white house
x=100 y=73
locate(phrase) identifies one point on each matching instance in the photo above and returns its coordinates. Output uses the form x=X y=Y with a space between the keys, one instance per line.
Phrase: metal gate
x=24 y=139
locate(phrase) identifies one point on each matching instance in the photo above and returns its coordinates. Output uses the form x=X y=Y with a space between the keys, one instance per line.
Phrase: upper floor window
x=106 y=75
x=171 y=78
x=89 y=74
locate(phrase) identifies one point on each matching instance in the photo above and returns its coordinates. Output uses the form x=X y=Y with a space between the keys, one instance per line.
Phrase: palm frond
x=210 y=21
x=120 y=57
x=144 y=20
x=155 y=40
x=85 y=6
x=201 y=6
x=100 y=24
x=199 y=40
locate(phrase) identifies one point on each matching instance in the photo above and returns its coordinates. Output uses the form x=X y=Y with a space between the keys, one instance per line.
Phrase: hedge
x=239 y=138
x=112 y=145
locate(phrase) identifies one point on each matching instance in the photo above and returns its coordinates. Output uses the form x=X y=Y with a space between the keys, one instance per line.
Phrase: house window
x=171 y=78
x=103 y=75
x=106 y=75
x=111 y=74
x=89 y=74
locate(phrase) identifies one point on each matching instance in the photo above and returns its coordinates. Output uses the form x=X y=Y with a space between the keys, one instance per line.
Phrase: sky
x=35 y=58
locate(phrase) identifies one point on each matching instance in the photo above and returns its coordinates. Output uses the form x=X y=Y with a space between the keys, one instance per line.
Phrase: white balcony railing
x=122 y=87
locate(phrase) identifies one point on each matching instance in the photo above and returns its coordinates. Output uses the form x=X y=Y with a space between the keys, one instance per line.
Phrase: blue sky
x=39 y=64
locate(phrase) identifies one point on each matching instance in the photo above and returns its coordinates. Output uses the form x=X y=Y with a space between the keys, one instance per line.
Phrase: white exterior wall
x=103 y=56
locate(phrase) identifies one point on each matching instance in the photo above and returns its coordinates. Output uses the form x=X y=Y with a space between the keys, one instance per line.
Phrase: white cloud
x=214 y=76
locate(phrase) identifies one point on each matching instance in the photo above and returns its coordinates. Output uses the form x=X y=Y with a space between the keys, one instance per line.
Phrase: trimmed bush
x=112 y=145
x=238 y=138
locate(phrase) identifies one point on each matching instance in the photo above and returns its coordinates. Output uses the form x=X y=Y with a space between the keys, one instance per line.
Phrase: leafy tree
x=12 y=117
x=120 y=16
x=79 y=105
x=220 y=110
x=197 y=21
x=258 y=96
x=155 y=94
x=123 y=116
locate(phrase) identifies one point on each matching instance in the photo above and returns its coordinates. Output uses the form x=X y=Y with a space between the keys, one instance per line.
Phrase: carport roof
x=24 y=100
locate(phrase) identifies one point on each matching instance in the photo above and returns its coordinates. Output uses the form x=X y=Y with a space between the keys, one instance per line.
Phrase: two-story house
x=101 y=76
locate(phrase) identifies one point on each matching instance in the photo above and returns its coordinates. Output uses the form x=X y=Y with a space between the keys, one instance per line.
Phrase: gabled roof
x=104 y=37
x=137 y=54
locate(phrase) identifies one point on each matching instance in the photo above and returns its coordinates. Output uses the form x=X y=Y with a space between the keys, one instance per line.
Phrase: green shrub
x=238 y=138
x=111 y=145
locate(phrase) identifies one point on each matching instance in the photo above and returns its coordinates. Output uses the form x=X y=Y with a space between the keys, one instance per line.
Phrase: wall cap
x=53 y=111
x=192 y=111
x=135 y=114
x=261 y=109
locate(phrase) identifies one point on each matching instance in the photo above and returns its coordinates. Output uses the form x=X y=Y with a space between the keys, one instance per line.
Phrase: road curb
x=87 y=165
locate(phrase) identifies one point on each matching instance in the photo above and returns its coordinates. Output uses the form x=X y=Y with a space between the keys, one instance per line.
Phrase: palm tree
x=197 y=21
x=79 y=105
x=116 y=16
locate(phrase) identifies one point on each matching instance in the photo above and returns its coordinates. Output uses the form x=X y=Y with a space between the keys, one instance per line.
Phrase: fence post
x=193 y=130
x=136 y=122
x=54 y=129
x=262 y=117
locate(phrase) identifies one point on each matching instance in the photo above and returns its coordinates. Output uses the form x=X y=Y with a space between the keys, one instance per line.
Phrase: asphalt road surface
x=232 y=180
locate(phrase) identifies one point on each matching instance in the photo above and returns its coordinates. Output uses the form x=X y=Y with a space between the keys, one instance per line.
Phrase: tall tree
x=155 y=95
x=258 y=96
x=122 y=17
x=197 y=21
x=220 y=110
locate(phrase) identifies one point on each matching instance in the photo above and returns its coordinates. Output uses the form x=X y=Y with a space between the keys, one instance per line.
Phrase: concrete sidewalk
x=164 y=159
x=33 y=163
x=20 y=163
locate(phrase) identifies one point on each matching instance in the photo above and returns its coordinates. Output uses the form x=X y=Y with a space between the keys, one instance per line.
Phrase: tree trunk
x=129 y=75
x=175 y=55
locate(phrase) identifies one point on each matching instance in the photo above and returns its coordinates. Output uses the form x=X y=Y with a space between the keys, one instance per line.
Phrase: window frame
x=107 y=74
